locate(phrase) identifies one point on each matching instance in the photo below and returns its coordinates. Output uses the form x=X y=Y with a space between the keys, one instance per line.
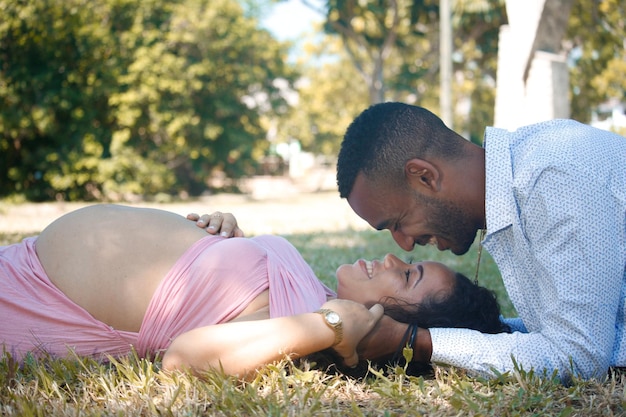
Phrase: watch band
x=333 y=320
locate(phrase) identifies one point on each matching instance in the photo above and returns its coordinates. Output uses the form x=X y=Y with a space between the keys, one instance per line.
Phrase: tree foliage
x=394 y=47
x=57 y=64
x=103 y=98
x=596 y=40
x=378 y=33
x=330 y=95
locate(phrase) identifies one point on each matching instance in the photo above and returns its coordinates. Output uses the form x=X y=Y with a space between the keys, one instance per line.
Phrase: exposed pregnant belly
x=109 y=259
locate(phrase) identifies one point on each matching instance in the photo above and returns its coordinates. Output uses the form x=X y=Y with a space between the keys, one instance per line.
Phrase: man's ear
x=422 y=175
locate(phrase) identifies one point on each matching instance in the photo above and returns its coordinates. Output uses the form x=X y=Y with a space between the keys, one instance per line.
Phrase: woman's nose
x=390 y=260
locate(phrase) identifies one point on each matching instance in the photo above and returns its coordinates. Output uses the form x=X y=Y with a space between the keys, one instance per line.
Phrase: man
x=552 y=197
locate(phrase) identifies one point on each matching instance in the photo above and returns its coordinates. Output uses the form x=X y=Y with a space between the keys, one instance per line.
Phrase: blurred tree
x=104 y=98
x=374 y=32
x=194 y=100
x=476 y=26
x=394 y=47
x=596 y=39
x=256 y=9
x=330 y=95
x=57 y=65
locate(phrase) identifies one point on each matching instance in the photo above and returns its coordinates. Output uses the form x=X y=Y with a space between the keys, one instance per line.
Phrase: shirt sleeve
x=485 y=354
x=577 y=237
x=515 y=324
x=574 y=234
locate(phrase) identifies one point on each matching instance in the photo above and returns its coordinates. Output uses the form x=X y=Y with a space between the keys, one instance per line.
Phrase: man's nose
x=404 y=241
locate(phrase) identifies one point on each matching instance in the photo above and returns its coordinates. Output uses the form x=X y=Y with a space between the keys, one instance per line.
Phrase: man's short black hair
x=386 y=135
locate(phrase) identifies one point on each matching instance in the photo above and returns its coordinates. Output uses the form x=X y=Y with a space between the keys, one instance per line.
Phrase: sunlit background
x=174 y=100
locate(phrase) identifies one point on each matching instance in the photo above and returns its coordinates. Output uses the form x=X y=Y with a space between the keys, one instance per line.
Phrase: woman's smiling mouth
x=366 y=266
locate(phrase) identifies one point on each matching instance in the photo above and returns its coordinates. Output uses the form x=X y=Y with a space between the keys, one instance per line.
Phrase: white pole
x=445 y=62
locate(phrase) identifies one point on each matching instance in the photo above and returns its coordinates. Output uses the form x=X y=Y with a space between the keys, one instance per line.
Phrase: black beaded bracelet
x=409 y=336
x=413 y=336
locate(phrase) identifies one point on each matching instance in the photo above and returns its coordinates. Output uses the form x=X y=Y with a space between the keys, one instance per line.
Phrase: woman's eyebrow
x=420 y=268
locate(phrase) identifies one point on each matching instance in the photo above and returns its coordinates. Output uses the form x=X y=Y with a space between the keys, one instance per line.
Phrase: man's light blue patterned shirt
x=556 y=214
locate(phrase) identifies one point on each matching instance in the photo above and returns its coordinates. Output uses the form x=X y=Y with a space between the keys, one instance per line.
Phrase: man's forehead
x=371 y=203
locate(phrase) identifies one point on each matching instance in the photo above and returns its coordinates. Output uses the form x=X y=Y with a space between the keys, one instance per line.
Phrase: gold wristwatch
x=333 y=320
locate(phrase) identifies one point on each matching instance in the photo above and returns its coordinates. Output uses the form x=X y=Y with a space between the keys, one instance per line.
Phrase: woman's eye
x=408 y=271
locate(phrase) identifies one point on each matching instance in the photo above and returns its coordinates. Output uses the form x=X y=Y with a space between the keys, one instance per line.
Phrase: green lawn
x=134 y=387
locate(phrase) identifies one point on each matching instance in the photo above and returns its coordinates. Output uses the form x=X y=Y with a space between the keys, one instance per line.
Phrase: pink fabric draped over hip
x=217 y=278
x=211 y=283
x=38 y=318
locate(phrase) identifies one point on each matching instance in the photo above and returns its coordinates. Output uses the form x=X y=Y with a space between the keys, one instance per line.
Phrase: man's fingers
x=226 y=228
x=223 y=223
x=215 y=222
x=201 y=221
x=193 y=216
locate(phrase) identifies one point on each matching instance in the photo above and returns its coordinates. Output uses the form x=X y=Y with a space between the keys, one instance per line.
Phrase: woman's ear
x=422 y=175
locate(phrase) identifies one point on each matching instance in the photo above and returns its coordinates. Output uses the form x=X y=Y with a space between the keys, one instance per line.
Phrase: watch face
x=333 y=318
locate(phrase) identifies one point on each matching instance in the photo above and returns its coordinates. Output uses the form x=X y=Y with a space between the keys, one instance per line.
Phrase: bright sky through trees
x=290 y=19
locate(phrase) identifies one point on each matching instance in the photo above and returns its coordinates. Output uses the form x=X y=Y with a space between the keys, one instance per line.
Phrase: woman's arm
x=238 y=348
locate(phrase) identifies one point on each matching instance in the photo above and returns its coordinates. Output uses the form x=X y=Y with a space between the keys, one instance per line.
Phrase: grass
x=136 y=387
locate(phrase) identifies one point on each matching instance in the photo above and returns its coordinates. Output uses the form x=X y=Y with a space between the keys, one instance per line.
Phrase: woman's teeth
x=368 y=266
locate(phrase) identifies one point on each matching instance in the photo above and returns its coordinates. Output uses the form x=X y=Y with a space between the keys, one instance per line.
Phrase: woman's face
x=370 y=282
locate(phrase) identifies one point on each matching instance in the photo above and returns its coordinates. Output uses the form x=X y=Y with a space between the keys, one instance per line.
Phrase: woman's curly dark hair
x=466 y=305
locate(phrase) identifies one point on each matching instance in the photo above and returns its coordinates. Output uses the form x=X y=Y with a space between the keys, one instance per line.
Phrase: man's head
x=402 y=169
x=383 y=137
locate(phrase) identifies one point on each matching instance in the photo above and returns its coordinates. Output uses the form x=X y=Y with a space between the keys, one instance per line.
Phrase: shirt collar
x=499 y=202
